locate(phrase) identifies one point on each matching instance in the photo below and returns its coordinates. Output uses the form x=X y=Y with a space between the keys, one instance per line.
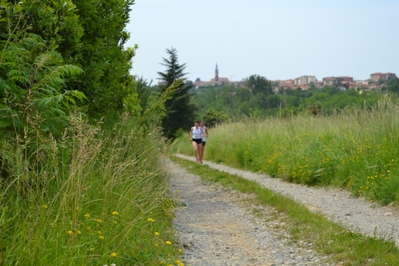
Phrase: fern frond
x=56 y=76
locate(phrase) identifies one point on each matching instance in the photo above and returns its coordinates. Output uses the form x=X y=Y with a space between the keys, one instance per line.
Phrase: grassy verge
x=93 y=197
x=344 y=247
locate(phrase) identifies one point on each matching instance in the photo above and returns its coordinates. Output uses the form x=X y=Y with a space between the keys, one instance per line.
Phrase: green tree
x=180 y=112
x=213 y=117
x=144 y=92
x=392 y=85
x=106 y=81
x=315 y=108
x=57 y=22
x=259 y=84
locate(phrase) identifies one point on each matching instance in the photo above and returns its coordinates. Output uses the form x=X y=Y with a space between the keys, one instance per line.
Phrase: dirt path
x=217 y=226
x=357 y=214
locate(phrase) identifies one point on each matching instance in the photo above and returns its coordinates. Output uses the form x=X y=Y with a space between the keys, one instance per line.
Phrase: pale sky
x=279 y=39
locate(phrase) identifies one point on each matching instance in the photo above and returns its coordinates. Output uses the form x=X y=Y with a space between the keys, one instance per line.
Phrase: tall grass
x=92 y=198
x=355 y=148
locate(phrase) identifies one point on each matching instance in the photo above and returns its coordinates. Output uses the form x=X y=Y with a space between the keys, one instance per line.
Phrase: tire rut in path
x=217 y=227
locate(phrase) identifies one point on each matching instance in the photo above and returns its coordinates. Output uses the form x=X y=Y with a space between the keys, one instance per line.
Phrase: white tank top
x=203 y=137
x=197 y=133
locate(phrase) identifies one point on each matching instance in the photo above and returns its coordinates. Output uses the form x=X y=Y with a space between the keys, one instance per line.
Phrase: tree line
x=256 y=98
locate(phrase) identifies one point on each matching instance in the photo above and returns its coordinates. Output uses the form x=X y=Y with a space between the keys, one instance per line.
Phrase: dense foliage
x=179 y=109
x=106 y=81
x=86 y=38
x=392 y=85
x=59 y=58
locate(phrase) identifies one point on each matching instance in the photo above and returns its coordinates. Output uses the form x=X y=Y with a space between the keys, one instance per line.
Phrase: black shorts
x=198 y=141
x=203 y=143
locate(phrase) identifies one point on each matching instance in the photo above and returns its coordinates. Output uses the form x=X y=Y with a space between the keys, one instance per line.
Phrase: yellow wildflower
x=150 y=220
x=70 y=232
x=101 y=237
x=113 y=254
x=87 y=216
x=157 y=234
x=44 y=206
x=168 y=242
x=115 y=213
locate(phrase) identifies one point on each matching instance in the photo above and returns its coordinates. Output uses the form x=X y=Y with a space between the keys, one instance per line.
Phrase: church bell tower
x=216 y=73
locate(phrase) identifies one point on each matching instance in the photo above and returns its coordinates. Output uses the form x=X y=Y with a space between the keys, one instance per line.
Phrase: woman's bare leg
x=201 y=151
x=196 y=150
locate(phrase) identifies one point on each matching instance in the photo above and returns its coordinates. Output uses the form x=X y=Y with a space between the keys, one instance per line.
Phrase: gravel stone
x=218 y=226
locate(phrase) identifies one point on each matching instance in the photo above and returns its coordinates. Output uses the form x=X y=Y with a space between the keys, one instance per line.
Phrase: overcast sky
x=279 y=39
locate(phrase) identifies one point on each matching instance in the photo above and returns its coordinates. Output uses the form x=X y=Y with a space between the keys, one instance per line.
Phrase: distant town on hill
x=308 y=81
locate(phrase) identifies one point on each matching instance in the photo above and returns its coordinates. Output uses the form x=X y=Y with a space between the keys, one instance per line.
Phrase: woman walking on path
x=204 y=136
x=196 y=134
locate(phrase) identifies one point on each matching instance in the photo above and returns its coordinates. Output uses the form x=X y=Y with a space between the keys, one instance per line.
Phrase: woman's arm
x=191 y=133
x=203 y=134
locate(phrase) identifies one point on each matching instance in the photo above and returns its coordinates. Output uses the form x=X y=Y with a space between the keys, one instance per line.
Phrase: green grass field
x=355 y=149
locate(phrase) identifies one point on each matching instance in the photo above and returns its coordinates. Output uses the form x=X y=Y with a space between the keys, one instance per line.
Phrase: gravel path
x=217 y=227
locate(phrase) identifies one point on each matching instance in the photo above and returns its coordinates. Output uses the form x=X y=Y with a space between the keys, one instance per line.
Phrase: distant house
x=329 y=81
x=343 y=81
x=304 y=86
x=359 y=85
x=288 y=82
x=302 y=80
x=220 y=80
x=383 y=76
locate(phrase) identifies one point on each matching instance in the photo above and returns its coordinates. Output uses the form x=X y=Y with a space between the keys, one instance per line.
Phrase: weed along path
x=217 y=226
